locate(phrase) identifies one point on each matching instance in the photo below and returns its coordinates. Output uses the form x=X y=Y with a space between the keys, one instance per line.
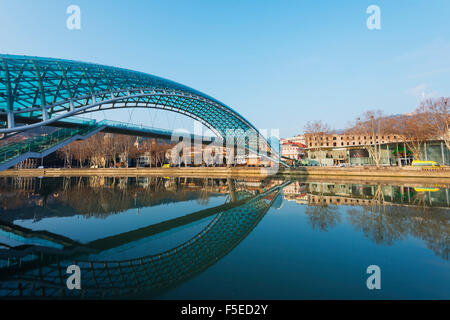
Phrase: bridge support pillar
x=44 y=114
x=232 y=190
x=10 y=119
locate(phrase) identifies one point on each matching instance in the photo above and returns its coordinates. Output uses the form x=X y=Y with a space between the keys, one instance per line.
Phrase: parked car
x=419 y=163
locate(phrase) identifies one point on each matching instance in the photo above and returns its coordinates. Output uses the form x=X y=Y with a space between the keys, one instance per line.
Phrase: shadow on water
x=35 y=263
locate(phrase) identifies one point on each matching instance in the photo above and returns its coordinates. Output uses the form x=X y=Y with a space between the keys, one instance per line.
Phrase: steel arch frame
x=47 y=89
x=117 y=101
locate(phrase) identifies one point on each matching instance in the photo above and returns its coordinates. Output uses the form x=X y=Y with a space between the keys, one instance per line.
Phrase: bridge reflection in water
x=40 y=271
x=124 y=264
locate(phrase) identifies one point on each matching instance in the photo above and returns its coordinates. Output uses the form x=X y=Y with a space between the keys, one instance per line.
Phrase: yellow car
x=418 y=163
x=167 y=165
x=424 y=189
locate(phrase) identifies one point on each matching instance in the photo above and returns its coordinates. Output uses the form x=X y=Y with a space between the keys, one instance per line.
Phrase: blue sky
x=278 y=63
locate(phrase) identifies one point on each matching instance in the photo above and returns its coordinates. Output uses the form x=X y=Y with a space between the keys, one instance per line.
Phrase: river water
x=203 y=238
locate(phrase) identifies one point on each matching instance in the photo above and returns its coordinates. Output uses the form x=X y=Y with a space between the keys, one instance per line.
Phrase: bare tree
x=126 y=148
x=317 y=127
x=317 y=131
x=104 y=150
x=438 y=111
x=66 y=154
x=375 y=125
x=80 y=152
x=415 y=129
x=97 y=150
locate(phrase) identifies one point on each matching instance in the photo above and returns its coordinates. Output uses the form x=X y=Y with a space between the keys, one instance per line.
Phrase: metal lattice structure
x=151 y=274
x=43 y=90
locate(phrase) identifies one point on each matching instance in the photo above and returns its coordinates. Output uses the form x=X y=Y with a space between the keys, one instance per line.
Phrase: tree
x=79 y=152
x=317 y=127
x=97 y=150
x=316 y=131
x=439 y=117
x=66 y=153
x=415 y=129
x=103 y=150
x=375 y=125
x=126 y=148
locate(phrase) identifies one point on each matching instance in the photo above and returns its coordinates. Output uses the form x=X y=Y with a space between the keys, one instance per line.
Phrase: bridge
x=73 y=129
x=42 y=274
x=36 y=92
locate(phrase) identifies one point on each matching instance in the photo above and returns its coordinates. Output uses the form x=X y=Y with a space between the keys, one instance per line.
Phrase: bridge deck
x=72 y=129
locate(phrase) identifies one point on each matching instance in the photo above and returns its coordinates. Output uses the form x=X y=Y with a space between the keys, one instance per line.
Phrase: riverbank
x=366 y=172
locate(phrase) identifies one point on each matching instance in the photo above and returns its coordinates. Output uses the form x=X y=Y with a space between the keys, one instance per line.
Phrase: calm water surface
x=186 y=238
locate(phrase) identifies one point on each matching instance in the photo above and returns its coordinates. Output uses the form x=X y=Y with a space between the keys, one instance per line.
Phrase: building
x=293 y=148
x=347 y=140
x=215 y=156
x=335 y=149
x=297 y=139
x=295 y=151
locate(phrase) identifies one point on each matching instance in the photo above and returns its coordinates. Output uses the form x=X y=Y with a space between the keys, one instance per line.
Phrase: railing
x=142 y=128
x=79 y=120
x=42 y=143
x=131 y=126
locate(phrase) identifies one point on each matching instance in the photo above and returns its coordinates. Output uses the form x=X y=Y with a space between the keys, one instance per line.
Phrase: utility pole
x=373 y=138
x=376 y=148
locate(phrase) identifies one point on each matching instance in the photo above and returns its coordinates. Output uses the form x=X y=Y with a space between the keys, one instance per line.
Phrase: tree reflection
x=386 y=223
x=322 y=215
x=372 y=219
x=433 y=226
x=99 y=196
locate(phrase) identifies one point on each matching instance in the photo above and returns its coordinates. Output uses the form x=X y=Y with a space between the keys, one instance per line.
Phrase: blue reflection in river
x=152 y=237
